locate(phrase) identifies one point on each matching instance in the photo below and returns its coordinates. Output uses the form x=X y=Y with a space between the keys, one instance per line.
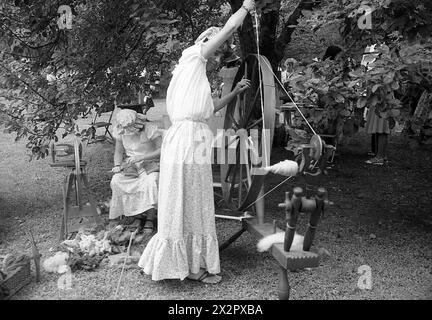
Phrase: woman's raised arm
x=233 y=23
x=241 y=86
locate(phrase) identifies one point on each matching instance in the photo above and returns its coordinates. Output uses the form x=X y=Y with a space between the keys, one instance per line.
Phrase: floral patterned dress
x=186 y=239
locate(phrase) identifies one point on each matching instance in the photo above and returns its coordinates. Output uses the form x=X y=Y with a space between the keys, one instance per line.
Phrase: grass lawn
x=381 y=218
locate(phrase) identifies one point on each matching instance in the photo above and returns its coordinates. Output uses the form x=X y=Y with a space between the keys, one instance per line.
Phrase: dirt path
x=381 y=218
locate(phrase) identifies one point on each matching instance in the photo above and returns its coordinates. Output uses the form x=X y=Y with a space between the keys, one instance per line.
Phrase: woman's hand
x=116 y=169
x=242 y=85
x=249 y=5
x=133 y=159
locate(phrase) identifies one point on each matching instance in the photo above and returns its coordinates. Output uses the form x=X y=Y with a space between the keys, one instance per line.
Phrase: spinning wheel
x=245 y=160
x=74 y=185
x=250 y=118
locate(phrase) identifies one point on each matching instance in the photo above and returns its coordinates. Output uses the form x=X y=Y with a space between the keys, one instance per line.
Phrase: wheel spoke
x=246 y=156
x=232 y=186
x=240 y=186
x=235 y=123
x=232 y=141
x=254 y=72
x=245 y=113
x=243 y=95
x=243 y=105
x=250 y=111
x=228 y=173
x=246 y=185
x=254 y=124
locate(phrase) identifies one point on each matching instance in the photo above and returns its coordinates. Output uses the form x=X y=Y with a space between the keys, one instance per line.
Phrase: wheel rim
x=244 y=115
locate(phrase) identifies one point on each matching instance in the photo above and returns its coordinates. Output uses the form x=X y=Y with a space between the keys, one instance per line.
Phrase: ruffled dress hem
x=176 y=258
x=132 y=204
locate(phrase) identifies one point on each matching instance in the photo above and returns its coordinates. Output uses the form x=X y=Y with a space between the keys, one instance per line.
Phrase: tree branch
x=285 y=37
x=29 y=86
x=246 y=31
x=28 y=45
x=269 y=22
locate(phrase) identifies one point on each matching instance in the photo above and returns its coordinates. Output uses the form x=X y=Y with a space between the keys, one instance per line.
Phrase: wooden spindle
x=314 y=219
x=292 y=217
x=260 y=207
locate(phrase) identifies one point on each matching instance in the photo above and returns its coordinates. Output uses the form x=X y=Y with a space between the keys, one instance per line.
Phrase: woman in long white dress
x=185 y=244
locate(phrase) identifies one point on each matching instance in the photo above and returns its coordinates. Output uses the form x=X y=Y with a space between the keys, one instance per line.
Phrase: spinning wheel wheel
x=249 y=128
x=74 y=187
x=245 y=161
x=250 y=118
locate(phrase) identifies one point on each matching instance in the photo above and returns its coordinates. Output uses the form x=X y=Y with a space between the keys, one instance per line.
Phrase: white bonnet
x=125 y=118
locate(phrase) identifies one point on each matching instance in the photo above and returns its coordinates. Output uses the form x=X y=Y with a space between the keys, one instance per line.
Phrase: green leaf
x=339 y=98
x=395 y=113
x=361 y=103
x=388 y=78
x=395 y=85
x=352 y=83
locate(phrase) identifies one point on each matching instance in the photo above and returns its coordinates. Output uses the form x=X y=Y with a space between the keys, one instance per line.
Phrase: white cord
x=289 y=96
x=269 y=191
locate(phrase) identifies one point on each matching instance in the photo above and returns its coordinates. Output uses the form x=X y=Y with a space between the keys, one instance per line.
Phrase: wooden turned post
x=287 y=205
x=314 y=219
x=260 y=207
x=283 y=285
x=292 y=217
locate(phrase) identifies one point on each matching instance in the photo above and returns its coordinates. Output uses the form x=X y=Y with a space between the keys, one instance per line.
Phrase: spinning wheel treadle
x=295 y=260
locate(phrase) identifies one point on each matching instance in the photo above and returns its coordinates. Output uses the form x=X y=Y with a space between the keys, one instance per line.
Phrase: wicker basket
x=17 y=279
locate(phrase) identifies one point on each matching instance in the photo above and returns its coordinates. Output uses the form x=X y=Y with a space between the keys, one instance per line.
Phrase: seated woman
x=134 y=184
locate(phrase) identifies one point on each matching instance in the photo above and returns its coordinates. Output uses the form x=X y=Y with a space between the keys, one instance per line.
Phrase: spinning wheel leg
x=233 y=238
x=62 y=227
x=69 y=181
x=283 y=286
x=91 y=200
x=260 y=207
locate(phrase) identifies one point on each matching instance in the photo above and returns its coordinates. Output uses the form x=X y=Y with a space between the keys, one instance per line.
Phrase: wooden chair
x=107 y=136
x=74 y=185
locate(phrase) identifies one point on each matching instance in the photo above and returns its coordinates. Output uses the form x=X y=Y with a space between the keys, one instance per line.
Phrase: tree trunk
x=270 y=46
x=269 y=22
x=246 y=32
x=285 y=37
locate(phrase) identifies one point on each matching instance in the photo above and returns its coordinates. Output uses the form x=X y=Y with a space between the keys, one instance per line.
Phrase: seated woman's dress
x=132 y=196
